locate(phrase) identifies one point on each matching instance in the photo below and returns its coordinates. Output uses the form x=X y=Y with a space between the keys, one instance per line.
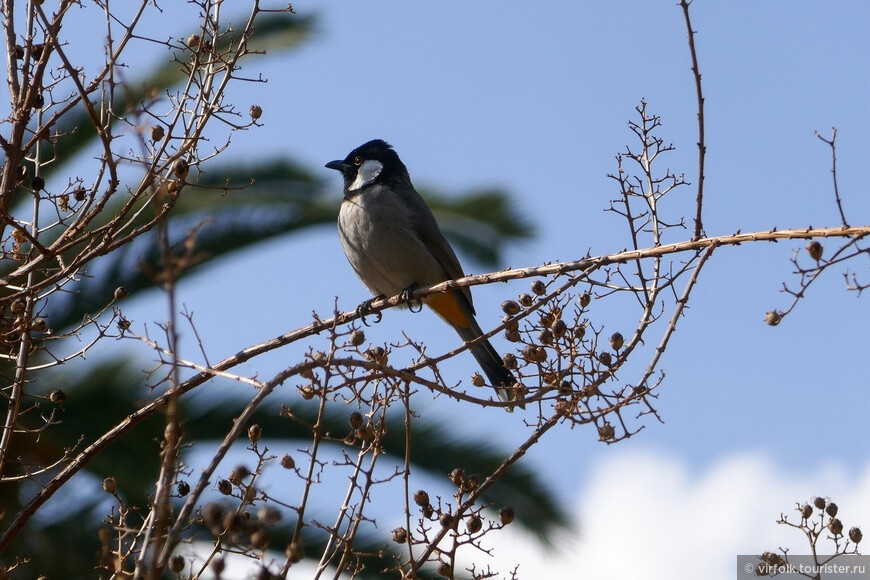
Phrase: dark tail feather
x=491 y=363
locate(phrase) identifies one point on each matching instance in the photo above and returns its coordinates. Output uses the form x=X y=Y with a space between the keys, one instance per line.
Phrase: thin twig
x=832 y=143
x=702 y=147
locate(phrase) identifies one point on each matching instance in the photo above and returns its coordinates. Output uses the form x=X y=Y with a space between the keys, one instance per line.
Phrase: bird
x=394 y=244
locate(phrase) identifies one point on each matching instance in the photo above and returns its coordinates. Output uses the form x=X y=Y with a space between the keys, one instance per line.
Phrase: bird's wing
x=427 y=230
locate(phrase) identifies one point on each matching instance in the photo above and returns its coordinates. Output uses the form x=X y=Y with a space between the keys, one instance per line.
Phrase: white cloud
x=645 y=514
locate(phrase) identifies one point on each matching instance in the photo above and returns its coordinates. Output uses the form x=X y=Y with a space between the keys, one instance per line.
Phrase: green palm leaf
x=274 y=32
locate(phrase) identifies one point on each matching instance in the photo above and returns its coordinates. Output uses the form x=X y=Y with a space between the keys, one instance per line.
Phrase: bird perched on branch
x=393 y=242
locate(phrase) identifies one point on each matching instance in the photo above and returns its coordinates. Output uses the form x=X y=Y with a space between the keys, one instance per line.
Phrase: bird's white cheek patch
x=367 y=173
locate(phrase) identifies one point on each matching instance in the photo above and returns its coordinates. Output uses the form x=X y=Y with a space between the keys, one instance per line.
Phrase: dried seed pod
x=57 y=396
x=773 y=317
x=366 y=433
x=580 y=331
x=772 y=559
x=510 y=361
x=355 y=420
x=269 y=514
x=836 y=526
x=566 y=388
x=238 y=474
x=819 y=502
x=806 y=511
x=444 y=570
x=474 y=524
x=584 y=299
x=421 y=498
x=546 y=319
x=183 y=488
x=176 y=563
x=193 y=41
x=357 y=337
x=526 y=300
x=446 y=520
x=855 y=535
x=539 y=288
x=287 y=462
x=225 y=487
x=616 y=341
x=477 y=380
x=471 y=483
x=540 y=354
x=157 y=133
x=377 y=354
x=605 y=358
x=18 y=306
x=506 y=514
x=530 y=353
x=37 y=183
x=831 y=509
x=510 y=323
x=256 y=112
x=606 y=432
x=255 y=432
x=123 y=323
x=79 y=194
x=110 y=485
x=427 y=511
x=120 y=292
x=545 y=337
x=510 y=307
x=217 y=566
x=232 y=522
x=38 y=101
x=512 y=336
x=815 y=249
x=559 y=328
x=38 y=325
x=181 y=168
x=212 y=514
x=400 y=535
x=457 y=476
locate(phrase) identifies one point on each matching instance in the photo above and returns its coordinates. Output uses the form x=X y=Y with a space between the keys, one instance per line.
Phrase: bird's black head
x=370 y=163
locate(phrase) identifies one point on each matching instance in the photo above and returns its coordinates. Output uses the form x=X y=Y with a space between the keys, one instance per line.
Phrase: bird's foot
x=365 y=309
x=413 y=305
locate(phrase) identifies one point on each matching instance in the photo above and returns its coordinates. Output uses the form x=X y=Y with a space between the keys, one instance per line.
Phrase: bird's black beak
x=338 y=166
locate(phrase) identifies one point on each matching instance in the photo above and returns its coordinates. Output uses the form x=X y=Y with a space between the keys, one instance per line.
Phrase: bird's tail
x=490 y=362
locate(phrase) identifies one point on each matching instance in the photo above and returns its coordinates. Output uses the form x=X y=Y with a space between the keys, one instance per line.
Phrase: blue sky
x=535 y=97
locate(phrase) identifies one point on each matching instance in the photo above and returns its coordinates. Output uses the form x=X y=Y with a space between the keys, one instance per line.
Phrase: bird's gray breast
x=377 y=233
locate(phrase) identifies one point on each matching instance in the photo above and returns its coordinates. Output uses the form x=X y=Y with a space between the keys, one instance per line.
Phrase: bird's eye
x=357 y=160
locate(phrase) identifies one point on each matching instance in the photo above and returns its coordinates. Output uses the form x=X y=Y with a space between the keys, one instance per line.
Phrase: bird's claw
x=413 y=305
x=365 y=309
